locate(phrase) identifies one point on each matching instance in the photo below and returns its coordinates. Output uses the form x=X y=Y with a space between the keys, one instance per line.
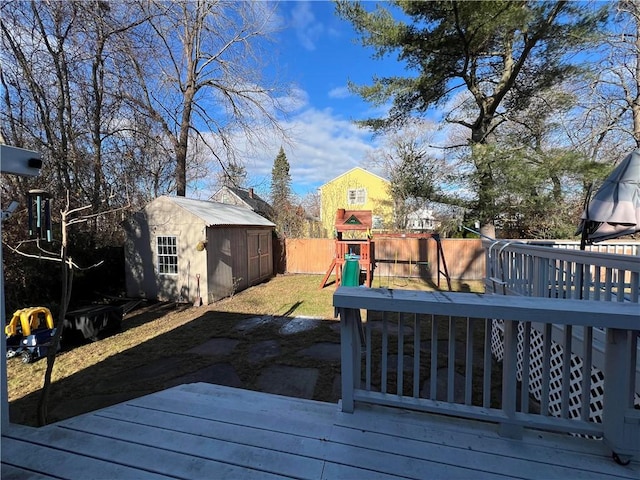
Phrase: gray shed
x=176 y=243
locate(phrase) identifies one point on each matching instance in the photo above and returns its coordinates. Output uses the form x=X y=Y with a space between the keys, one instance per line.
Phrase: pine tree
x=289 y=214
x=497 y=55
x=281 y=191
x=280 y=180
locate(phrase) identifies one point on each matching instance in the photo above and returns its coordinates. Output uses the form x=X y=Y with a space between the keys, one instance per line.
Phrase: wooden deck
x=208 y=431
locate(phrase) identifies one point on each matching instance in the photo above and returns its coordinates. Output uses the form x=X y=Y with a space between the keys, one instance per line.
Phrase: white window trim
x=359 y=194
x=170 y=250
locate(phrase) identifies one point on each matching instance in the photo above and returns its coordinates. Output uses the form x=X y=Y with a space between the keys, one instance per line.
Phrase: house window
x=167 y=255
x=357 y=196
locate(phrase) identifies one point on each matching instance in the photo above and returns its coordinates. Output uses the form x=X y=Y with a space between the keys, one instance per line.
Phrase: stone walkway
x=274 y=378
x=275 y=372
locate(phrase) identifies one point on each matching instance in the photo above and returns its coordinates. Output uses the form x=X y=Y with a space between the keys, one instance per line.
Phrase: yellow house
x=357 y=189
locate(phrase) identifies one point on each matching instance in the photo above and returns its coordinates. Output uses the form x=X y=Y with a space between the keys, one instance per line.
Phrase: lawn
x=153 y=347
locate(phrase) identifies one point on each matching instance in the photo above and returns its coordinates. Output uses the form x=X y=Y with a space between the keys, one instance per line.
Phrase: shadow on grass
x=161 y=361
x=171 y=358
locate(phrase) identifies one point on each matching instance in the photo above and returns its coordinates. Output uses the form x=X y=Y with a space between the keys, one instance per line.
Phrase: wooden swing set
x=357 y=224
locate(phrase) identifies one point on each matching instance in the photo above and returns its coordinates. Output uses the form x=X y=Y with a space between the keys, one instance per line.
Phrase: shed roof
x=220 y=214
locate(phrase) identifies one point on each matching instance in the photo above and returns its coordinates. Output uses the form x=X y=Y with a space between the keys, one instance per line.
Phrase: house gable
x=356 y=189
x=243 y=198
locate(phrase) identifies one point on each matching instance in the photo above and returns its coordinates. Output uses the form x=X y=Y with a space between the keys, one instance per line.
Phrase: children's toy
x=29 y=333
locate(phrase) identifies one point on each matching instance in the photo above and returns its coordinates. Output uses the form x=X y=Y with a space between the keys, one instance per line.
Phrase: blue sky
x=316 y=57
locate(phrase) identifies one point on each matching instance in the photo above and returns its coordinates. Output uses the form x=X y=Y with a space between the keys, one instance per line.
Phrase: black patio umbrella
x=614 y=210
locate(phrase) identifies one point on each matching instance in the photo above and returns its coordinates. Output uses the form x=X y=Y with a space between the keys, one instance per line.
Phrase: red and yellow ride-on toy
x=29 y=333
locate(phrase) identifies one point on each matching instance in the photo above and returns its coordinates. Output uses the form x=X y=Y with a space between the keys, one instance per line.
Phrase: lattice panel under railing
x=556 y=362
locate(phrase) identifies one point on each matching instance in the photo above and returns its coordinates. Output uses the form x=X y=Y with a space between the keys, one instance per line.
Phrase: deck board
x=209 y=431
x=442 y=433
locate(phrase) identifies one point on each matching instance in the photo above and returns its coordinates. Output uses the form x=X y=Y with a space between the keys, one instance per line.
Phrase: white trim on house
x=348 y=172
x=356 y=196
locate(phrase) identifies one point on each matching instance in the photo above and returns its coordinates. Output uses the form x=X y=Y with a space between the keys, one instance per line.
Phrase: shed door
x=260 y=258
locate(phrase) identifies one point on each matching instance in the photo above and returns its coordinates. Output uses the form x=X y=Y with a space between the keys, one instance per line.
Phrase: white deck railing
x=606 y=272
x=431 y=351
x=516 y=268
x=619 y=247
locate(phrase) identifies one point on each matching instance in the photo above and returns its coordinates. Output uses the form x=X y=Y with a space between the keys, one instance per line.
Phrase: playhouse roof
x=349 y=220
x=220 y=214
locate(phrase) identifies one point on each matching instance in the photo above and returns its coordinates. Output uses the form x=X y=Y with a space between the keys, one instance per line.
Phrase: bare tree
x=417 y=173
x=202 y=75
x=68 y=217
x=604 y=123
x=63 y=79
x=628 y=54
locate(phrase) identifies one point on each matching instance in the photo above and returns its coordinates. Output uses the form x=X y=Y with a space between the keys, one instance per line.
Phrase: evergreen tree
x=281 y=194
x=494 y=56
x=280 y=180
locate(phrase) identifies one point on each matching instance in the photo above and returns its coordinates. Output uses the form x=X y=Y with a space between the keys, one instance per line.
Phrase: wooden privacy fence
x=416 y=257
x=398 y=257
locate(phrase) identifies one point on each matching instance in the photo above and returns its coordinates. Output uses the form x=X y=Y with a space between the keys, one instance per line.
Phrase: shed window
x=357 y=196
x=167 y=255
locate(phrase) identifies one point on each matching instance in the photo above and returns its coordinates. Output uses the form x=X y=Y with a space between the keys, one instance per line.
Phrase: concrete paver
x=324 y=351
x=264 y=350
x=299 y=325
x=220 y=374
x=290 y=381
x=216 y=346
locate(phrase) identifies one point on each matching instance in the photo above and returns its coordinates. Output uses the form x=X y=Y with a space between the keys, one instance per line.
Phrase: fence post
x=621 y=423
x=350 y=346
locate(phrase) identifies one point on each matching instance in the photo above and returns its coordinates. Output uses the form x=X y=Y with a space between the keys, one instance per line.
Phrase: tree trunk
x=486 y=200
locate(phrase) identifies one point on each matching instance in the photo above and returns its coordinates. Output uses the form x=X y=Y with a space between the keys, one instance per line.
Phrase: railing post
x=350 y=346
x=4 y=397
x=509 y=380
x=621 y=423
x=540 y=276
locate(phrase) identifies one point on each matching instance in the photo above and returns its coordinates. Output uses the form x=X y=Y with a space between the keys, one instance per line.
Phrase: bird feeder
x=39 y=211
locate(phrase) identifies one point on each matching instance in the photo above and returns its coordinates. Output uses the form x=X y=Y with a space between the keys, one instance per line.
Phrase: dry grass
x=98 y=374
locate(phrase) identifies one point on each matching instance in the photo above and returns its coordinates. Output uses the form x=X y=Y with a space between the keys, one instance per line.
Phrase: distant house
x=357 y=189
x=180 y=249
x=422 y=220
x=244 y=198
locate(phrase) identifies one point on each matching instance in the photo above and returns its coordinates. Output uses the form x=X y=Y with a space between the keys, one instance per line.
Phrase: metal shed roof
x=219 y=214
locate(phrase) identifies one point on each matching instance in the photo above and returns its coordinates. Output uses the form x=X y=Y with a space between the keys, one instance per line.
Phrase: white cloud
x=339 y=92
x=308 y=30
x=296 y=99
x=319 y=146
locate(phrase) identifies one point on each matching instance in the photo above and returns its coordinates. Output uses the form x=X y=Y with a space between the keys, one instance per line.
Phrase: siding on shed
x=229 y=265
x=164 y=218
x=223 y=267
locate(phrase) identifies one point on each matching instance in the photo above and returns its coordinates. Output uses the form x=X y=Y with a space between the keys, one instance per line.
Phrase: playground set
x=356 y=254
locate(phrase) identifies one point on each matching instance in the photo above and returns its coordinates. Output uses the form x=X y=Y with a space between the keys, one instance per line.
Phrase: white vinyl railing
x=516 y=268
x=604 y=272
x=431 y=351
x=618 y=247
